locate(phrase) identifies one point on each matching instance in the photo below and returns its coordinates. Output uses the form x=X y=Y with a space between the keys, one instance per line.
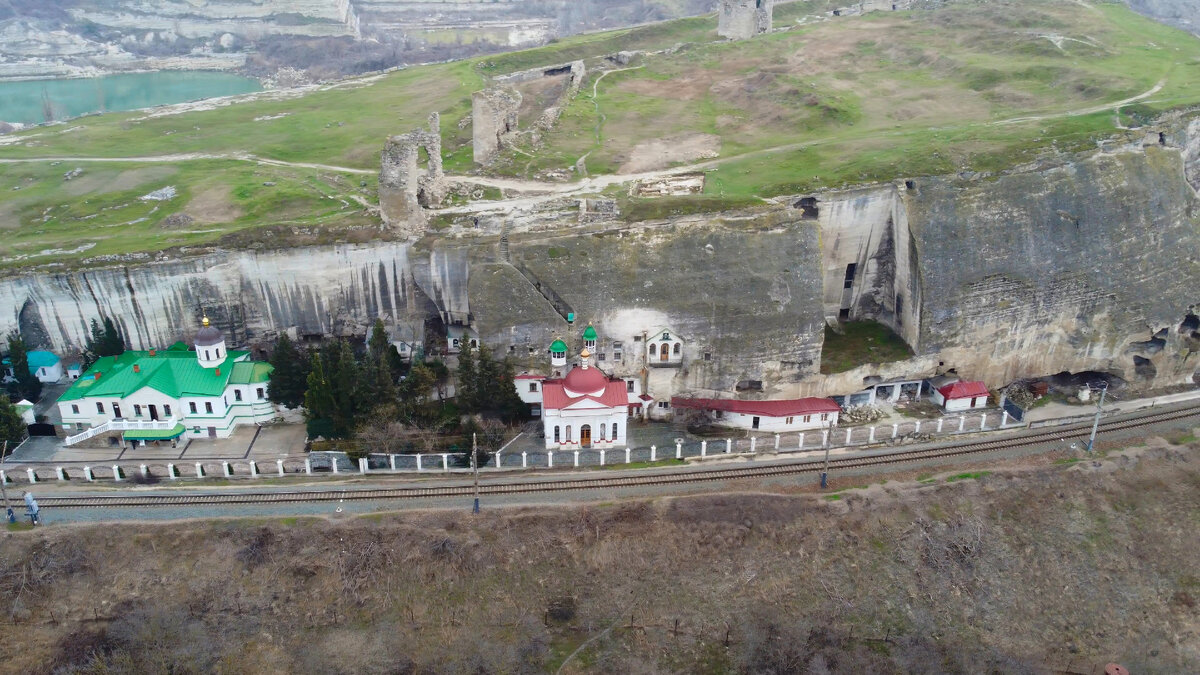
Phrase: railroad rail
x=601 y=482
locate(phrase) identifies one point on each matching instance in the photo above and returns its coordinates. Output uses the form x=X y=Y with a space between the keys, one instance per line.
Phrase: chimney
x=218 y=370
x=137 y=368
x=152 y=352
x=98 y=375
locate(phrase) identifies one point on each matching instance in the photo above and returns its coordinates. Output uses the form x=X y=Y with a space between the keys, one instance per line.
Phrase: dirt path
x=537 y=192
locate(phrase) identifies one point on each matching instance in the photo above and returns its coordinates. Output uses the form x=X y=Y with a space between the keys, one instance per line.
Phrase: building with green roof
x=46 y=366
x=179 y=392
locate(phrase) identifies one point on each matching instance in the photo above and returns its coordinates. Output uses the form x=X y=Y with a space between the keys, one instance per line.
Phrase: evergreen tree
x=27 y=385
x=289 y=380
x=105 y=340
x=508 y=402
x=466 y=391
x=343 y=375
x=12 y=427
x=487 y=375
x=378 y=343
x=318 y=401
x=377 y=386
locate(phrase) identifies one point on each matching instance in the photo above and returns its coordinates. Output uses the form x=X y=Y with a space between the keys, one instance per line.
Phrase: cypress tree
x=487 y=376
x=378 y=343
x=27 y=385
x=289 y=380
x=466 y=391
x=12 y=427
x=318 y=401
x=343 y=376
x=105 y=340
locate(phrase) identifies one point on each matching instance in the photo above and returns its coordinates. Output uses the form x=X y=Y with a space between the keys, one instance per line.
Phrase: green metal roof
x=154 y=434
x=558 y=346
x=251 y=372
x=174 y=372
x=589 y=333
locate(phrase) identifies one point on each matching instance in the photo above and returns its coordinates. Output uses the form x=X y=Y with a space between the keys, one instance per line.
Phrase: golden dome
x=585 y=353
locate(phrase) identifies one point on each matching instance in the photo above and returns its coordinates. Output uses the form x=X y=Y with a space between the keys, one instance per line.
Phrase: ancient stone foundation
x=494 y=121
x=406 y=188
x=741 y=19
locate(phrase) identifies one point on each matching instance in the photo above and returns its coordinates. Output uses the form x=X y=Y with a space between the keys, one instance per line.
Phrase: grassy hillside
x=1053 y=570
x=979 y=86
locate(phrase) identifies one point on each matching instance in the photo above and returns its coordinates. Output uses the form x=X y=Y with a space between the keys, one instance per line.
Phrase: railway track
x=545 y=485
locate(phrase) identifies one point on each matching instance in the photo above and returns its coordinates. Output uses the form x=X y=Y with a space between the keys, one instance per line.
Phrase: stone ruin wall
x=493 y=121
x=742 y=19
x=406 y=188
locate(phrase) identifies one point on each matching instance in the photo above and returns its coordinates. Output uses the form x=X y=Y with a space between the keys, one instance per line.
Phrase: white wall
x=959 y=404
x=773 y=424
x=576 y=419
x=50 y=374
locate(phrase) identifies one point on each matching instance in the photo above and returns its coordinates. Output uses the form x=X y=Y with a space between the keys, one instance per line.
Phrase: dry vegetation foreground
x=1054 y=568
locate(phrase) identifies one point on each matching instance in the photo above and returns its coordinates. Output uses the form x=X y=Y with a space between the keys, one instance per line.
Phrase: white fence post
x=1003 y=418
x=627 y=451
x=703 y=449
x=801 y=441
x=279 y=466
x=753 y=443
x=895 y=430
x=419 y=463
x=199 y=470
x=678 y=450
x=524 y=459
x=870 y=436
x=917 y=428
x=62 y=475
x=577 y=458
x=940 y=420
x=848 y=432
x=333 y=463
x=824 y=437
x=549 y=459
x=728 y=445
x=171 y=472
x=87 y=473
x=145 y=472
x=117 y=472
x=254 y=469
x=392 y=461
x=983 y=421
x=446 y=462
x=601 y=456
x=654 y=453
x=307 y=466
x=227 y=469
x=498 y=459
x=362 y=465
x=32 y=475
x=962 y=422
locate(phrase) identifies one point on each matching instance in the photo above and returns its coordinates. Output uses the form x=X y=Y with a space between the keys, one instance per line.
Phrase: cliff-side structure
x=742 y=19
x=406 y=188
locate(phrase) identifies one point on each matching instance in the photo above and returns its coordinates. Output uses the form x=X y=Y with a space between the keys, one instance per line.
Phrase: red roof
x=784 y=408
x=605 y=391
x=646 y=397
x=963 y=390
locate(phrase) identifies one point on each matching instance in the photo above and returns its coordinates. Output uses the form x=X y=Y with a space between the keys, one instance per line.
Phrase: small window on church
x=614 y=431
x=666 y=336
x=99 y=407
x=653 y=350
x=74 y=409
x=568 y=433
x=629 y=385
x=192 y=407
x=556 y=435
x=205 y=354
x=137 y=410
x=261 y=393
x=237 y=394
x=208 y=407
x=533 y=386
x=167 y=410
x=600 y=356
x=678 y=346
x=789 y=420
x=824 y=417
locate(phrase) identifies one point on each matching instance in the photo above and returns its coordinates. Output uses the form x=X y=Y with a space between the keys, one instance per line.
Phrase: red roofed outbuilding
x=961 y=396
x=777 y=416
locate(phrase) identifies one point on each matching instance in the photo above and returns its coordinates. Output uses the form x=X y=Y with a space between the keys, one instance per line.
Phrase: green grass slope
x=827 y=102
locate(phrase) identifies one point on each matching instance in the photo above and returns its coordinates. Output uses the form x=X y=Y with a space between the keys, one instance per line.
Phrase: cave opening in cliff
x=1190 y=324
x=808 y=208
x=1144 y=367
x=910 y=185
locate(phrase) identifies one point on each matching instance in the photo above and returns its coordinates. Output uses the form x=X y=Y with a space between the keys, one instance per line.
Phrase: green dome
x=589 y=333
x=558 y=346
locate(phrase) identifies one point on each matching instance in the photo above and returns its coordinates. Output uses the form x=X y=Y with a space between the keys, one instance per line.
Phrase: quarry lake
x=27 y=102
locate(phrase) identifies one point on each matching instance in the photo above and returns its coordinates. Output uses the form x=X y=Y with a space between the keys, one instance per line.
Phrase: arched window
x=602 y=432
x=653 y=350
x=614 y=431
x=205 y=354
x=556 y=431
x=677 y=347
x=568 y=433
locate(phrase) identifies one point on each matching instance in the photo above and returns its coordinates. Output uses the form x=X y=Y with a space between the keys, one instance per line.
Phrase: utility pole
x=825 y=471
x=3 y=492
x=1096 y=422
x=475 y=468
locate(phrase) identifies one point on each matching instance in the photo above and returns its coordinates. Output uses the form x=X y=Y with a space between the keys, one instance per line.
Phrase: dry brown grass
x=1053 y=567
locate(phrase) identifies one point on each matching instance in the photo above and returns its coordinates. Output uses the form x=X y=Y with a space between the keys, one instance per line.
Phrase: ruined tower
x=406 y=188
x=493 y=120
x=741 y=19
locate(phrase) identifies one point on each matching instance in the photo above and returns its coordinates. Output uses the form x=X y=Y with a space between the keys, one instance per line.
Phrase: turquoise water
x=26 y=102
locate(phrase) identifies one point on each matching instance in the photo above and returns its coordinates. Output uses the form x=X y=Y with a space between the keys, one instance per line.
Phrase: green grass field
x=824 y=103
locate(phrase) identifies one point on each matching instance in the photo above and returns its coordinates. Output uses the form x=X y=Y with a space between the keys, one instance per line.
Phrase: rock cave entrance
x=1144 y=367
x=808 y=208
